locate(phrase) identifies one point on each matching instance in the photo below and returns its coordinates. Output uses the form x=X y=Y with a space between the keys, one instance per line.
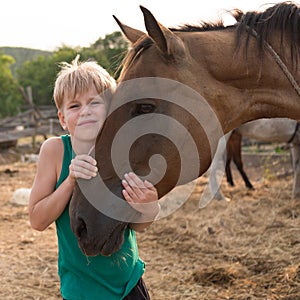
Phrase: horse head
x=149 y=130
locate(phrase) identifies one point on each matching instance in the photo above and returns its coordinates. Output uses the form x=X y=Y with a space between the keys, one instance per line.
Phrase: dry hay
x=248 y=248
x=27 y=258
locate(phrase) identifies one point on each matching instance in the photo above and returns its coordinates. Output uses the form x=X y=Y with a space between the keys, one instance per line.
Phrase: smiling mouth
x=87 y=122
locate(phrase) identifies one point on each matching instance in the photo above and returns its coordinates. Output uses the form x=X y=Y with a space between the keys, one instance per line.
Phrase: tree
x=41 y=72
x=10 y=97
x=114 y=46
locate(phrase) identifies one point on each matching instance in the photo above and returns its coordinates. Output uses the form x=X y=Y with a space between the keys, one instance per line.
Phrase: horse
x=277 y=130
x=179 y=91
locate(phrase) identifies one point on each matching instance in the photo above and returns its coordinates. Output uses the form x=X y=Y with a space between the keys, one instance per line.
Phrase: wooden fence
x=32 y=122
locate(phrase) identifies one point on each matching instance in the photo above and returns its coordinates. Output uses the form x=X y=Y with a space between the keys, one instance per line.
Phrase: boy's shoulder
x=54 y=140
x=52 y=144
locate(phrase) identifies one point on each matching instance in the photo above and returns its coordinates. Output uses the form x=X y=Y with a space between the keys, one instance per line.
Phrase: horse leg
x=228 y=172
x=248 y=184
x=229 y=150
x=295 y=154
x=216 y=173
x=214 y=180
x=216 y=192
x=236 y=153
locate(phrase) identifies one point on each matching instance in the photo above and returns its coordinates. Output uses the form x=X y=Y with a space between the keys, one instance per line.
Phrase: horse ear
x=131 y=34
x=168 y=42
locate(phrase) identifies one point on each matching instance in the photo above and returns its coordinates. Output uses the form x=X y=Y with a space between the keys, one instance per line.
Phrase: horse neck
x=241 y=87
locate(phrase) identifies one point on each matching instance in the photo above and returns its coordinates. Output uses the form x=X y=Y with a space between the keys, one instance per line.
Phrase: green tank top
x=99 y=277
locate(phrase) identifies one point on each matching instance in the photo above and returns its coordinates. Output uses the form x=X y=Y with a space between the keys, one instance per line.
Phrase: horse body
x=223 y=77
x=278 y=130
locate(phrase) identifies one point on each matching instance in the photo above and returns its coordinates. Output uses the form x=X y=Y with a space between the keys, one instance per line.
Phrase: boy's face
x=83 y=116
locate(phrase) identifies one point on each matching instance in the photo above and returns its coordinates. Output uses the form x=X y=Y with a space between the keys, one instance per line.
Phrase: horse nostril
x=81 y=229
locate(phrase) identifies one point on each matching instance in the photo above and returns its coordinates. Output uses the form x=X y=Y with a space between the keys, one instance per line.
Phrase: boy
x=82 y=112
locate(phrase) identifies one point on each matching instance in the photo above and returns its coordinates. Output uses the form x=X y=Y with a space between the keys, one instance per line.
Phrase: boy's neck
x=80 y=147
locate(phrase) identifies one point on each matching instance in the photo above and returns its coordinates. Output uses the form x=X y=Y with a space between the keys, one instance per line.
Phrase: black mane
x=204 y=26
x=283 y=17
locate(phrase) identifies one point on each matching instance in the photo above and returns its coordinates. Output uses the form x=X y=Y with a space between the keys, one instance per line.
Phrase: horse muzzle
x=104 y=242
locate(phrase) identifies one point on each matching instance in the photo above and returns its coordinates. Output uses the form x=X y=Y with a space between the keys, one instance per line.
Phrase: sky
x=49 y=24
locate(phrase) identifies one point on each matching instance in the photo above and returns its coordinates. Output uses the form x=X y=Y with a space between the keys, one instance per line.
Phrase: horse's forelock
x=135 y=52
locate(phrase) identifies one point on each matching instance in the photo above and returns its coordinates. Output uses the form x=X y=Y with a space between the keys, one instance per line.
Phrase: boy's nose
x=86 y=110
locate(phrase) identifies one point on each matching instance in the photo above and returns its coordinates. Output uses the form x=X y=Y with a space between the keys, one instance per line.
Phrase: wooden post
x=30 y=100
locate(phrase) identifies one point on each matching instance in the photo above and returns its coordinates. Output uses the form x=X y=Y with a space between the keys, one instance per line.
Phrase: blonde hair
x=77 y=77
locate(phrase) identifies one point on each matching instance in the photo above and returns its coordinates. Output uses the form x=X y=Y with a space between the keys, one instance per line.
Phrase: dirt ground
x=245 y=249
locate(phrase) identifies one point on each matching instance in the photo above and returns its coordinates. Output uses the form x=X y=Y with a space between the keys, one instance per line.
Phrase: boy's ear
x=61 y=118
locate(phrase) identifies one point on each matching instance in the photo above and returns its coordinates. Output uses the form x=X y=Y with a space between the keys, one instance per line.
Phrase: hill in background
x=21 y=54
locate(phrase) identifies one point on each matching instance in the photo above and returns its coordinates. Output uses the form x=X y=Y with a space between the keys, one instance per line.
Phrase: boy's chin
x=85 y=136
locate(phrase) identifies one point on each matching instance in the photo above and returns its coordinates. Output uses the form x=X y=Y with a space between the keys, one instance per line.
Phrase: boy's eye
x=97 y=100
x=73 y=106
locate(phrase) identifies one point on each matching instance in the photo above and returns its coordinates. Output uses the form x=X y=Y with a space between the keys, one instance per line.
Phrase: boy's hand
x=83 y=166
x=141 y=195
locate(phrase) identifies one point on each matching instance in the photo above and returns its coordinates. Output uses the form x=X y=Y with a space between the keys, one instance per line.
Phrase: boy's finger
x=87 y=158
x=134 y=180
x=84 y=164
x=149 y=185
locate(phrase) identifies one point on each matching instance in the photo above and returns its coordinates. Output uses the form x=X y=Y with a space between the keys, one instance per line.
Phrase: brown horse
x=180 y=90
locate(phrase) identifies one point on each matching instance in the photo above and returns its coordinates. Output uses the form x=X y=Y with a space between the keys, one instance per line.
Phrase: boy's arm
x=46 y=204
x=143 y=197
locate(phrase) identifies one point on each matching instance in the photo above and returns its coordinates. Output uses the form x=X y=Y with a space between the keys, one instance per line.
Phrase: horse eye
x=144 y=109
